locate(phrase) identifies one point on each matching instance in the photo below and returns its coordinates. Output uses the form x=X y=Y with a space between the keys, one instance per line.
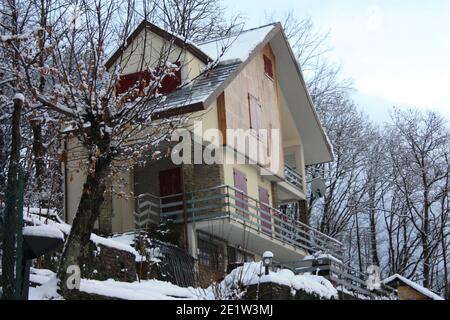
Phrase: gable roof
x=179 y=41
x=426 y=292
x=240 y=50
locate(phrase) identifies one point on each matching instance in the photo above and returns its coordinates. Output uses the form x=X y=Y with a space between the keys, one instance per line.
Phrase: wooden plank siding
x=253 y=81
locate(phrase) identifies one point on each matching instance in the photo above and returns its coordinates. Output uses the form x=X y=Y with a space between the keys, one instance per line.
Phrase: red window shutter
x=171 y=82
x=141 y=79
x=126 y=81
x=240 y=182
x=265 y=212
x=268 y=66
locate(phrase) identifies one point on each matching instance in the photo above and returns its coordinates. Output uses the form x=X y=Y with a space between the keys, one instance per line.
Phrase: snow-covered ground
x=249 y=274
x=144 y=290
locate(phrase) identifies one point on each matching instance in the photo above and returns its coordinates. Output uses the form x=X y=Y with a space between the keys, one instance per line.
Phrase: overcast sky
x=397 y=52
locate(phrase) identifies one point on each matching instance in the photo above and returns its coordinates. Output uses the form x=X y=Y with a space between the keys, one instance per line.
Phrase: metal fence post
x=19 y=237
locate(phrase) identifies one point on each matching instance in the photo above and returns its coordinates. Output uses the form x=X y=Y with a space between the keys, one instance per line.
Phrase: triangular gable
x=163 y=34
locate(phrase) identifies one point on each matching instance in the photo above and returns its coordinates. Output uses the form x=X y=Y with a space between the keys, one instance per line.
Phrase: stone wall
x=103 y=263
x=268 y=291
x=274 y=291
x=202 y=176
x=111 y=263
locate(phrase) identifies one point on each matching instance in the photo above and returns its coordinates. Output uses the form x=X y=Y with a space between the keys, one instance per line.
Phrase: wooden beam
x=222 y=117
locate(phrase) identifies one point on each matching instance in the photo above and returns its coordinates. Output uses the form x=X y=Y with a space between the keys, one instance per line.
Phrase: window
x=255 y=113
x=141 y=80
x=210 y=254
x=268 y=66
x=238 y=256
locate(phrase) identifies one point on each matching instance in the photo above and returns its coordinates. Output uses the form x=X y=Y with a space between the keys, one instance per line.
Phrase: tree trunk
x=373 y=229
x=2 y=164
x=303 y=211
x=358 y=244
x=77 y=244
x=12 y=190
x=425 y=239
x=444 y=239
x=76 y=248
x=38 y=153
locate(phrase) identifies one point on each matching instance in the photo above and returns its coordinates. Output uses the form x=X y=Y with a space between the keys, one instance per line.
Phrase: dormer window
x=268 y=66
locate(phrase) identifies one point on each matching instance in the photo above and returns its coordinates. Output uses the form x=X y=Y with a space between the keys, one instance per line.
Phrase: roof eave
x=310 y=101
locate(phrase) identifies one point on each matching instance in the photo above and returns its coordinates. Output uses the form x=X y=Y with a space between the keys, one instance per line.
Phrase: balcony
x=227 y=212
x=291 y=188
x=293 y=177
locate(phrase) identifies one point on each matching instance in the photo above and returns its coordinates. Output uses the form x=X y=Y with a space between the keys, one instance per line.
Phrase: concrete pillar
x=192 y=240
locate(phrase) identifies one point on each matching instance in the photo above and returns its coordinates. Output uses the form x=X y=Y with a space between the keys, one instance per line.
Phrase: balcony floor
x=250 y=239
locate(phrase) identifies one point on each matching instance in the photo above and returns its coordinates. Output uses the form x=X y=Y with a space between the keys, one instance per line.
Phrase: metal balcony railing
x=293 y=177
x=228 y=202
x=343 y=277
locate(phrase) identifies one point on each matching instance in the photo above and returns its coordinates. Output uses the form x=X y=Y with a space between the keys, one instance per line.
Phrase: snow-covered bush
x=234 y=285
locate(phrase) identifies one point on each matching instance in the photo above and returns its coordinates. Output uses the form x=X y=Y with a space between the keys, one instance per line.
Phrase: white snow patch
x=43 y=231
x=320 y=255
x=237 y=46
x=40 y=276
x=19 y=96
x=65 y=229
x=48 y=291
x=144 y=290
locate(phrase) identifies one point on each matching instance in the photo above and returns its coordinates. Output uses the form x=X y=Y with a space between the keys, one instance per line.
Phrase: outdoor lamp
x=267 y=261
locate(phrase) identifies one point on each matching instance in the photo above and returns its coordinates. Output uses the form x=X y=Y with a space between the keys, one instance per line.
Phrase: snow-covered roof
x=238 y=46
x=225 y=57
x=426 y=292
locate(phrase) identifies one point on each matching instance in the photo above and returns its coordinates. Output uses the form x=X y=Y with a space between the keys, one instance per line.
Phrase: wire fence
x=176 y=264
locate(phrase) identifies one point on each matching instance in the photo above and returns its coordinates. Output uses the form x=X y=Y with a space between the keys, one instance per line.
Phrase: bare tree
x=115 y=131
x=196 y=20
x=419 y=151
x=387 y=190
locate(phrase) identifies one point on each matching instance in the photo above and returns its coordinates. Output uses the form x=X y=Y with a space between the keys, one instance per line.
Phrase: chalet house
x=225 y=212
